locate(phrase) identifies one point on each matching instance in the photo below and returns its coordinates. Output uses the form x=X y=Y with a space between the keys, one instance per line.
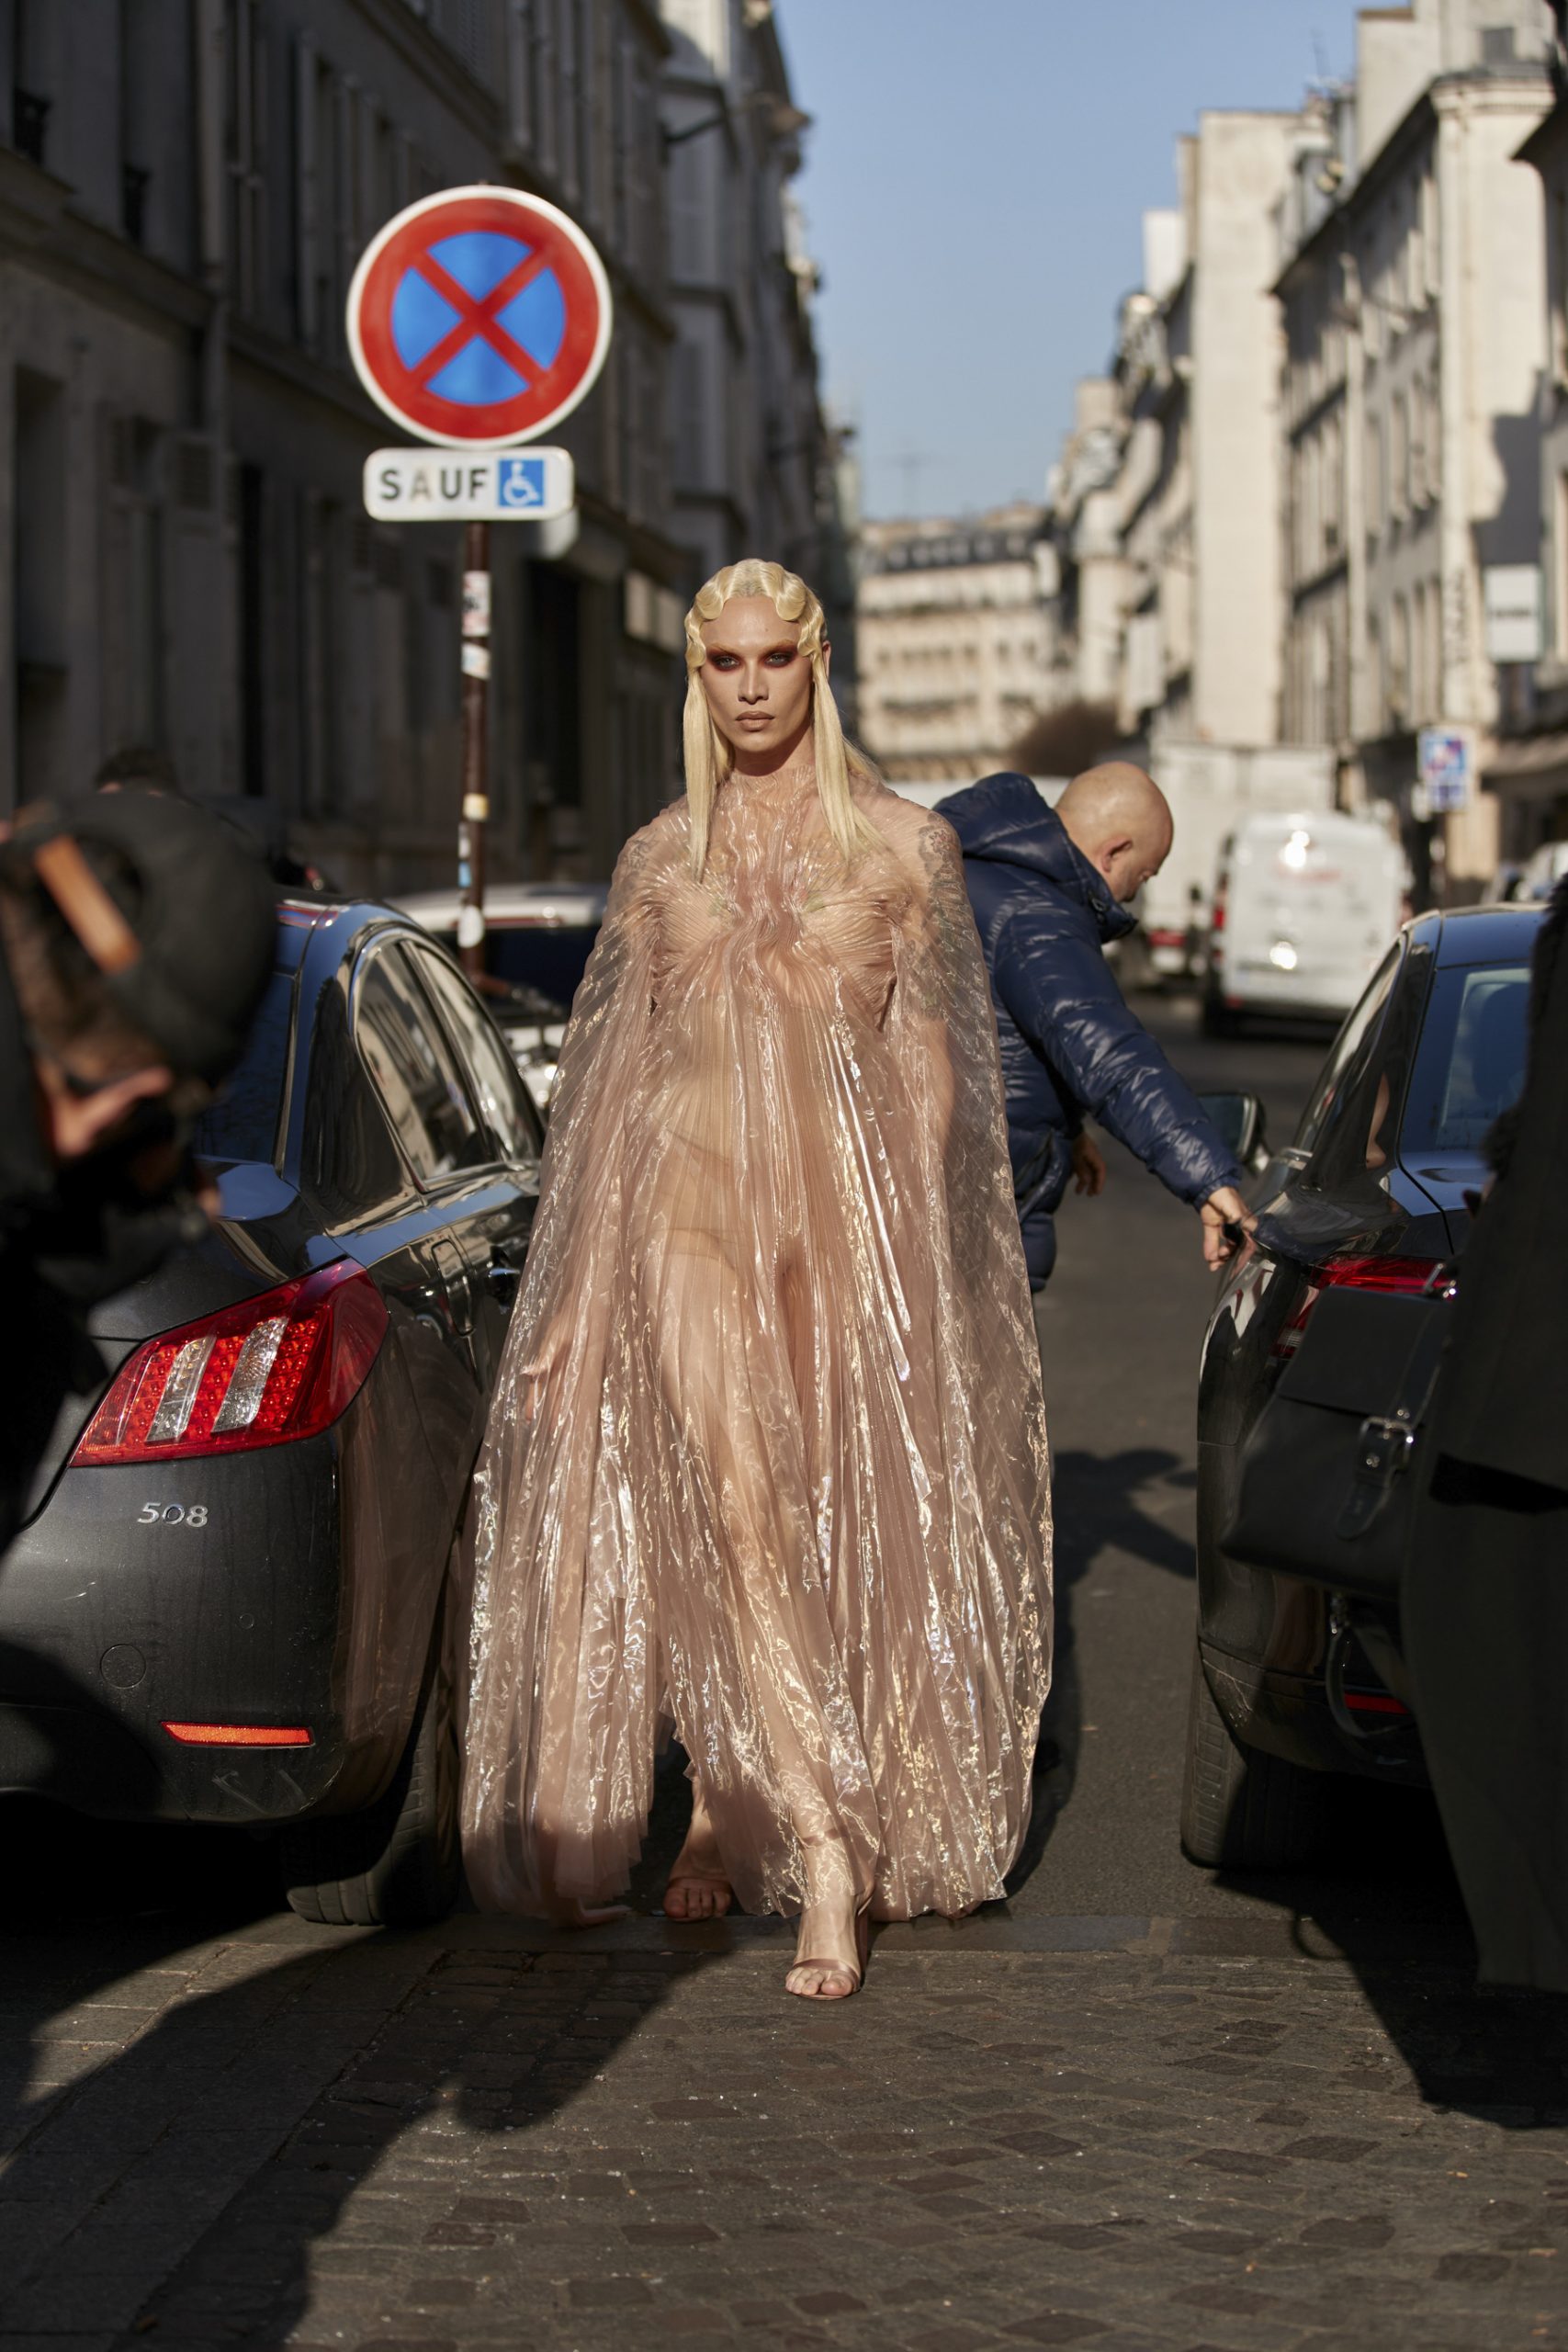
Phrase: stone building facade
x=1414 y=347
x=1527 y=767
x=952 y=641
x=747 y=429
x=184 y=188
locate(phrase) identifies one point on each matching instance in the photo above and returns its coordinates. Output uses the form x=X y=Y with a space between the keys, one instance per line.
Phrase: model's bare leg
x=701 y=1376
x=698 y=1887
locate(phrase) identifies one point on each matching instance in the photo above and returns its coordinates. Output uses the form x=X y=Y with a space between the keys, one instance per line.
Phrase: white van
x=1305 y=905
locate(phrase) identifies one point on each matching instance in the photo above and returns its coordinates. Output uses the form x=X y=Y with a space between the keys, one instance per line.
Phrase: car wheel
x=397 y=1865
x=1242 y=1809
x=1217 y=1019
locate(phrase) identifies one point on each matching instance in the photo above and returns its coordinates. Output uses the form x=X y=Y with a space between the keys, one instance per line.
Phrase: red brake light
x=1217 y=914
x=270 y=1370
x=1377 y=1273
x=1355 y=1273
x=240 y=1735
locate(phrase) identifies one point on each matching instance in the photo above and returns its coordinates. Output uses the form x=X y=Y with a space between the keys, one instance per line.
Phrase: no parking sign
x=479 y=318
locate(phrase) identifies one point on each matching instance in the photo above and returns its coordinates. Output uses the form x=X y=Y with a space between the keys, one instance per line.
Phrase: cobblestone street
x=1134 y=2106
x=1130 y=2133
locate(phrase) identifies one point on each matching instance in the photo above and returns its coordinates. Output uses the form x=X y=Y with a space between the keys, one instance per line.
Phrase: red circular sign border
x=453 y=423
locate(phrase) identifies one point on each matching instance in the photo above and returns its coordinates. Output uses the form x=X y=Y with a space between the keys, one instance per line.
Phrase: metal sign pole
x=476 y=699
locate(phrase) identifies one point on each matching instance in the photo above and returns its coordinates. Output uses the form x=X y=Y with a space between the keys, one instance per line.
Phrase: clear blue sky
x=975 y=179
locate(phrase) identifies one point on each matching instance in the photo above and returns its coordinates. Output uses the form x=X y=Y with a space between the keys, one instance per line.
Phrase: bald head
x=1121 y=821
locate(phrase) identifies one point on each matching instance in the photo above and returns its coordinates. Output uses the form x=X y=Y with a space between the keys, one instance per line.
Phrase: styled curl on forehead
x=786 y=590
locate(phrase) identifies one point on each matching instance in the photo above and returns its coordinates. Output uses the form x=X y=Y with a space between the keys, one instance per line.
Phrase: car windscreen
x=242 y=1123
x=1470 y=1066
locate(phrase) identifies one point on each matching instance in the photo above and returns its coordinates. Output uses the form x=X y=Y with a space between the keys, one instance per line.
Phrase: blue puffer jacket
x=1071 y=1049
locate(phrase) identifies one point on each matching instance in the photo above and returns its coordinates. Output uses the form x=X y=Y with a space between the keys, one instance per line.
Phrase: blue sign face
x=478 y=319
x=520 y=484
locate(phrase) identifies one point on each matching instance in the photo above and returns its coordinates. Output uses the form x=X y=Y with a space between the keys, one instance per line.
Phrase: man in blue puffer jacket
x=1049 y=887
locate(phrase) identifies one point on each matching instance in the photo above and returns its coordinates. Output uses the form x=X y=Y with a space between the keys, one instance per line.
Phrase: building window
x=1399 y=661
x=1375 y=486
x=1398 y=456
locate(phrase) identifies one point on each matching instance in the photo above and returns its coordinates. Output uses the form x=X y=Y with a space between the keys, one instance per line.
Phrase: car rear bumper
x=225 y=1591
x=1289 y=1716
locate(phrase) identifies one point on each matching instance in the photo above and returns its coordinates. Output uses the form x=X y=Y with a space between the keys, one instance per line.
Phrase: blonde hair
x=710 y=758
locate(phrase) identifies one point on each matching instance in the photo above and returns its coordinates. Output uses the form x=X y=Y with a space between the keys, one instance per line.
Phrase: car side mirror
x=1239 y=1119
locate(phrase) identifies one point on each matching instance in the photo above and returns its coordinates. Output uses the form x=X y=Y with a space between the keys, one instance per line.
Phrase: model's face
x=757 y=681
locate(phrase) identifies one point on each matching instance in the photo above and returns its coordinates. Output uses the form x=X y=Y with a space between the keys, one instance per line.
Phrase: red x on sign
x=479 y=318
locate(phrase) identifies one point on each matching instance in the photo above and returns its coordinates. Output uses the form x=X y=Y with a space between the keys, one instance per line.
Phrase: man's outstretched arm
x=1069 y=1006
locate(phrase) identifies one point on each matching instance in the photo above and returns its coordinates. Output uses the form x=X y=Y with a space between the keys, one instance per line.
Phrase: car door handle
x=501 y=1281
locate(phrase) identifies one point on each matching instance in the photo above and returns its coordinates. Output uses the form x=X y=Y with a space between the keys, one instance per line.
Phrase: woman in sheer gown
x=767 y=1458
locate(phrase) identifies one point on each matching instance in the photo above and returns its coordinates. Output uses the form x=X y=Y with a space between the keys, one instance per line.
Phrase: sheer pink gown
x=787 y=1484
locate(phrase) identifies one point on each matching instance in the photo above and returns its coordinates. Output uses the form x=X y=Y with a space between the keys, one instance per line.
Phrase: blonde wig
x=710 y=758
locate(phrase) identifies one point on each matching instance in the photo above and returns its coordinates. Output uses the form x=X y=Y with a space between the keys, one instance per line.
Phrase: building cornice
x=1547 y=140
x=40 y=229
x=1447 y=93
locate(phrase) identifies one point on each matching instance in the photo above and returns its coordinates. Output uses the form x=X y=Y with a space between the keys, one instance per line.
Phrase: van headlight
x=1282 y=955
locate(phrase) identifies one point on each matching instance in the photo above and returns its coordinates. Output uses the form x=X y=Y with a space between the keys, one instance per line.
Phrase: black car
x=227 y=1604
x=1371 y=1191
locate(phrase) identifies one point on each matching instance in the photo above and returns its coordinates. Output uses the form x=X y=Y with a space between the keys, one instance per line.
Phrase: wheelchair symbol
x=521 y=482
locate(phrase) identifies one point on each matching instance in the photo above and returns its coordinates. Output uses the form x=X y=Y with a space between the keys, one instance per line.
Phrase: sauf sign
x=427 y=486
x=477 y=319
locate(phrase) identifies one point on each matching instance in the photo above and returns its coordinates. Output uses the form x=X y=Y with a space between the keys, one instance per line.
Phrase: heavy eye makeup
x=779 y=658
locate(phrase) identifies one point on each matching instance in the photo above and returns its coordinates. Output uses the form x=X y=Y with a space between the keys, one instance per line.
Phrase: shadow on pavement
x=1391 y=1906
x=1097 y=1508
x=183 y=2179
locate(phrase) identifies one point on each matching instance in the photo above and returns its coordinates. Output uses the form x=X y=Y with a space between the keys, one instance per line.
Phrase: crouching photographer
x=136 y=936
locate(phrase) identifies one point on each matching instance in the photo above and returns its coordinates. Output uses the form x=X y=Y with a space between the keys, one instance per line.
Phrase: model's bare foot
x=570 y=1913
x=699 y=1886
x=830 y=1955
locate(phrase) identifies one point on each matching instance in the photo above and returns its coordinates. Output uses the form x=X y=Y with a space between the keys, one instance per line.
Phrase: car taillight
x=1217 y=915
x=273 y=1369
x=1355 y=1273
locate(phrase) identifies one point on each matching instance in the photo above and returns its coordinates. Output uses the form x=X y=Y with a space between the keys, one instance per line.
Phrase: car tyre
x=1217 y=1019
x=1242 y=1809
x=398 y=1864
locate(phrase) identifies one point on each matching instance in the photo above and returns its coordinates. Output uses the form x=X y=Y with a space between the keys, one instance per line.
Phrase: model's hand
x=1222 y=1208
x=1089 y=1166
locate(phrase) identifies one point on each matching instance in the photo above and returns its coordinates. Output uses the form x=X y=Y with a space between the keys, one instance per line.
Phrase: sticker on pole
x=479 y=318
